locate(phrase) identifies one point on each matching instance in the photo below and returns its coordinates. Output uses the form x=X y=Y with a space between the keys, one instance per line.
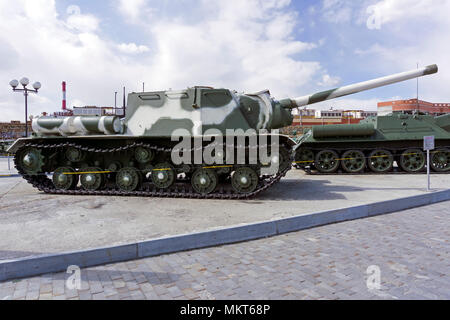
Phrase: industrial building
x=13 y=130
x=97 y=111
x=413 y=105
x=307 y=118
x=86 y=110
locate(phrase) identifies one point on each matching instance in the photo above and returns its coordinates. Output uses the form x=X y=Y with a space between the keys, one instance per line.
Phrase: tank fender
x=18 y=144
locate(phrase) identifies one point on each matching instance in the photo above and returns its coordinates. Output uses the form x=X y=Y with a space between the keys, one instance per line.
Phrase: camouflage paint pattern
x=199 y=109
x=79 y=125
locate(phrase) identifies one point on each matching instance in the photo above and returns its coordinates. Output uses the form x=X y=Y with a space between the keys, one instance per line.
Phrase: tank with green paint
x=376 y=144
x=4 y=145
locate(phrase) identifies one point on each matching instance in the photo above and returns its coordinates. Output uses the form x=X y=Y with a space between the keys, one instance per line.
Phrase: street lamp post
x=24 y=82
x=115 y=103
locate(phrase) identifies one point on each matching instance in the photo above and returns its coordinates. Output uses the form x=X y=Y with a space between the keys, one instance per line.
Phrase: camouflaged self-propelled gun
x=134 y=155
x=375 y=144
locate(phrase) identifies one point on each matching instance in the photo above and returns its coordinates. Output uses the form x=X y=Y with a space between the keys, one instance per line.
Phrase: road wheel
x=440 y=160
x=163 y=175
x=91 y=179
x=244 y=180
x=304 y=158
x=412 y=160
x=327 y=161
x=380 y=161
x=128 y=179
x=64 y=178
x=204 y=181
x=353 y=161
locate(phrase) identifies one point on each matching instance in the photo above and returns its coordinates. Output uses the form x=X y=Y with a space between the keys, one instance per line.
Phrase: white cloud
x=410 y=31
x=336 y=11
x=421 y=30
x=135 y=11
x=281 y=27
x=329 y=81
x=394 y=10
x=82 y=23
x=132 y=48
x=245 y=45
x=49 y=49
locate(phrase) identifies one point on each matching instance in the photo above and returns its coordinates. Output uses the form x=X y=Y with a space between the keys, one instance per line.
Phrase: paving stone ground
x=410 y=249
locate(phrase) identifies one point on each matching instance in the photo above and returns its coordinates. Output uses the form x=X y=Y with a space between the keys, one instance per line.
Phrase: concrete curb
x=33 y=266
x=9 y=175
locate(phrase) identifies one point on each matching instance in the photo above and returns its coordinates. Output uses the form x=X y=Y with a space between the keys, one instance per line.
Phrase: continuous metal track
x=368 y=173
x=147 y=189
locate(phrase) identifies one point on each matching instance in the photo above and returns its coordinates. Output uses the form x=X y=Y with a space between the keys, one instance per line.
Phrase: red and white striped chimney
x=64 y=105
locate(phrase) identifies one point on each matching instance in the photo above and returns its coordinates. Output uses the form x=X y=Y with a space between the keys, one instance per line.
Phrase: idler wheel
x=353 y=161
x=32 y=161
x=128 y=179
x=304 y=158
x=204 y=181
x=144 y=155
x=440 y=160
x=65 y=178
x=327 y=161
x=412 y=160
x=244 y=180
x=163 y=175
x=380 y=161
x=92 y=179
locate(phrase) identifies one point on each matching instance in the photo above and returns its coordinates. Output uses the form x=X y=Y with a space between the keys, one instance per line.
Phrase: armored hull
x=375 y=145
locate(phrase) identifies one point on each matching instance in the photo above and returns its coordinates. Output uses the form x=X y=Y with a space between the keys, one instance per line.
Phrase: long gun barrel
x=362 y=86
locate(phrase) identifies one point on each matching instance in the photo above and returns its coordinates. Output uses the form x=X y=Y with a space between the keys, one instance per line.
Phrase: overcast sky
x=290 y=47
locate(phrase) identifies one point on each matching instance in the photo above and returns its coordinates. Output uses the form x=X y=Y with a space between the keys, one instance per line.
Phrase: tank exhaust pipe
x=362 y=86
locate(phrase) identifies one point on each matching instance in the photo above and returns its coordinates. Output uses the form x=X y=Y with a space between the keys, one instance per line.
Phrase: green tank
x=4 y=145
x=199 y=142
x=376 y=144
